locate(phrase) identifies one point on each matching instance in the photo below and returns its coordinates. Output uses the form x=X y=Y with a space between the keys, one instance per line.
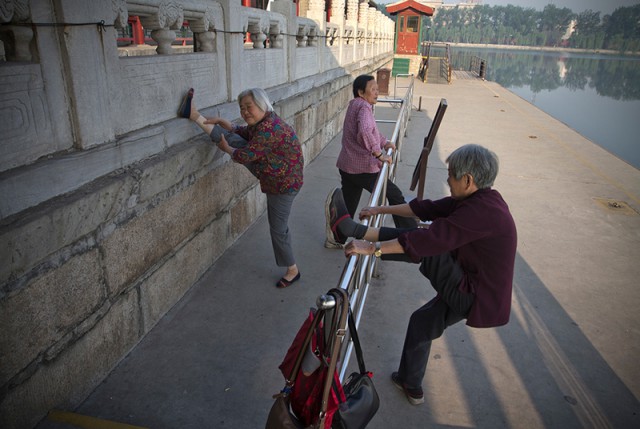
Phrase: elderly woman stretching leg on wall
x=269 y=147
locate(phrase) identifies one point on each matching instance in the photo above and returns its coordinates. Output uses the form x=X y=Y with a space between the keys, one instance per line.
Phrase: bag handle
x=356 y=342
x=337 y=335
x=318 y=315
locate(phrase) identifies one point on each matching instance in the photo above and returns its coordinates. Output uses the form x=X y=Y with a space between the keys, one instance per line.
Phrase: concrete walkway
x=567 y=359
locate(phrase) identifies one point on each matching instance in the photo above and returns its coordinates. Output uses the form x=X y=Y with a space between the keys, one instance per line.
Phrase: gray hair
x=259 y=97
x=475 y=160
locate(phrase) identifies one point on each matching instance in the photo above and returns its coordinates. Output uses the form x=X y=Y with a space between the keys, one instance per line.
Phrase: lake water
x=596 y=95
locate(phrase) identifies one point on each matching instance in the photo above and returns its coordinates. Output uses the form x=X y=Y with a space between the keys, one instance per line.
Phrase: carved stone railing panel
x=262 y=26
x=65 y=110
x=348 y=35
x=164 y=17
x=332 y=32
x=307 y=34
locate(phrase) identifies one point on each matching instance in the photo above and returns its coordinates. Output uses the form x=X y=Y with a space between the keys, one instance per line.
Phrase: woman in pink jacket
x=363 y=151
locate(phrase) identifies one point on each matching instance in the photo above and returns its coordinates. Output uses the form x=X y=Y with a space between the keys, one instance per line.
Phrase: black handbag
x=362 y=401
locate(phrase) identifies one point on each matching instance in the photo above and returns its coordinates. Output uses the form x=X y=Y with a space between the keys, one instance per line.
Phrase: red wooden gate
x=408 y=33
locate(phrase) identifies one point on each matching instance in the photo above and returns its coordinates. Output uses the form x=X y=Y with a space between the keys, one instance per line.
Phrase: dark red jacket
x=481 y=235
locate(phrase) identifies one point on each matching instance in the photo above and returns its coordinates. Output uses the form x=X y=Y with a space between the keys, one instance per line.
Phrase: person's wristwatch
x=378 y=251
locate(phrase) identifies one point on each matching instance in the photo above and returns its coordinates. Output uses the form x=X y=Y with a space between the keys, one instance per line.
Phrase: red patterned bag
x=307 y=391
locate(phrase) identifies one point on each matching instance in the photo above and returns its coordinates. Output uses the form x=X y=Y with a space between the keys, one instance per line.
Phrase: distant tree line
x=553 y=26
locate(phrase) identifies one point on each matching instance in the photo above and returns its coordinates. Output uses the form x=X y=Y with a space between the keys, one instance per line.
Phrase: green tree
x=515 y=25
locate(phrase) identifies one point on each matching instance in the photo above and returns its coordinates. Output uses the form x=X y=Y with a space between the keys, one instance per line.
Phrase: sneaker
x=415 y=396
x=335 y=210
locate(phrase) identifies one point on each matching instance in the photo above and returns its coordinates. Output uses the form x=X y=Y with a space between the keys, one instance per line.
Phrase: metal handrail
x=359 y=269
x=395 y=83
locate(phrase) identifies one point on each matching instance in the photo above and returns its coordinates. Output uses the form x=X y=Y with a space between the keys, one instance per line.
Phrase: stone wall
x=111 y=208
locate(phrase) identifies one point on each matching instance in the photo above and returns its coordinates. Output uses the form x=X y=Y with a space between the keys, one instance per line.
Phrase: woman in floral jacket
x=269 y=147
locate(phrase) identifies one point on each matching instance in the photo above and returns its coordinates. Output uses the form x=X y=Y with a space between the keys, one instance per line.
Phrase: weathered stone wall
x=98 y=241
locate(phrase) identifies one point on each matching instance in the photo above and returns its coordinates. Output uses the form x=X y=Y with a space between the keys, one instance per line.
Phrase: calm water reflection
x=596 y=95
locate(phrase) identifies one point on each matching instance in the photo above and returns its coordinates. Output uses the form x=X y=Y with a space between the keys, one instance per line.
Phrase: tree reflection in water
x=611 y=76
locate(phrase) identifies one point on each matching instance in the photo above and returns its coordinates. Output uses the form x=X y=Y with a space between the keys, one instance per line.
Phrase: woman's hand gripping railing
x=359 y=269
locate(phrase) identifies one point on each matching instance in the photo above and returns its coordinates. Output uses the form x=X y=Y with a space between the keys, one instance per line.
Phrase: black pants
x=352 y=186
x=428 y=322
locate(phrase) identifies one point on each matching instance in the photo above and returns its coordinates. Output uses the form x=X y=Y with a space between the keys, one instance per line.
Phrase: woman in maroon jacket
x=467 y=253
x=270 y=149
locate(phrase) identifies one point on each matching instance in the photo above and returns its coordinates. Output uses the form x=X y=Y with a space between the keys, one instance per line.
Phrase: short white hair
x=259 y=97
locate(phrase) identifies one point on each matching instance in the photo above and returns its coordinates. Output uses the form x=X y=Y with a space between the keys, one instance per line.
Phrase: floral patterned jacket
x=275 y=154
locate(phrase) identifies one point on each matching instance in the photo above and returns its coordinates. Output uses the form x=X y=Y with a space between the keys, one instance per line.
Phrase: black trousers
x=352 y=186
x=428 y=322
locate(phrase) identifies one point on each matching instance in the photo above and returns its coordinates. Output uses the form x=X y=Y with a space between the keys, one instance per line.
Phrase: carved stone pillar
x=276 y=39
x=205 y=38
x=363 y=14
x=257 y=34
x=316 y=6
x=352 y=10
x=303 y=7
x=163 y=24
x=16 y=38
x=301 y=37
x=316 y=12
x=312 y=38
x=337 y=11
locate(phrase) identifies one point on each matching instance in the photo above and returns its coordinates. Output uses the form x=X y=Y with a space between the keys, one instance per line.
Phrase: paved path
x=567 y=359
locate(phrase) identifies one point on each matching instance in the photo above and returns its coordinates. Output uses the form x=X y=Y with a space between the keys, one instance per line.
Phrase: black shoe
x=185 y=107
x=335 y=210
x=415 y=396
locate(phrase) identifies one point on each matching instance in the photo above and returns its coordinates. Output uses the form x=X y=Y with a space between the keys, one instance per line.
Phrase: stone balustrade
x=41 y=122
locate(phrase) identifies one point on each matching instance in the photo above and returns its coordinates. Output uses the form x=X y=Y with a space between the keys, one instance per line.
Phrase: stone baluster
x=312 y=38
x=16 y=38
x=257 y=34
x=331 y=35
x=349 y=37
x=168 y=18
x=301 y=37
x=276 y=38
x=204 y=36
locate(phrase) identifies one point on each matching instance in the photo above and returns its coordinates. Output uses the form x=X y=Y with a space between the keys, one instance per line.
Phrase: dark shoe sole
x=334 y=238
x=330 y=241
x=185 y=107
x=413 y=400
